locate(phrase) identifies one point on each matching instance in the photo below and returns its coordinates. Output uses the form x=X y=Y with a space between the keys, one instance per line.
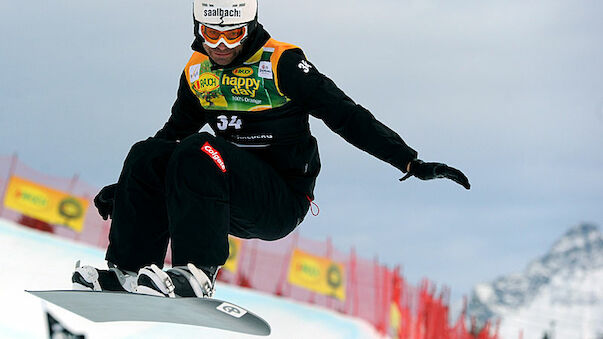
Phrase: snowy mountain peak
x=581 y=248
x=582 y=237
x=569 y=277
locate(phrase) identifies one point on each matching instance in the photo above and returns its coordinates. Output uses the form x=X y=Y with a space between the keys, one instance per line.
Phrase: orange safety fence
x=355 y=286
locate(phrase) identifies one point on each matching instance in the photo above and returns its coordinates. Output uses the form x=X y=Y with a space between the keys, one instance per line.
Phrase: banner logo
x=31 y=197
x=215 y=155
x=70 y=208
x=334 y=276
x=308 y=270
x=45 y=203
x=317 y=274
x=234 y=247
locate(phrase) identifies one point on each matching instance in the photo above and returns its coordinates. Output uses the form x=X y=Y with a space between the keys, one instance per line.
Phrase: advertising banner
x=395 y=321
x=317 y=274
x=232 y=262
x=45 y=203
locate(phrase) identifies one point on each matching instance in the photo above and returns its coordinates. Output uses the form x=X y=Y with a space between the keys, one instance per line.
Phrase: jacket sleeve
x=187 y=115
x=299 y=80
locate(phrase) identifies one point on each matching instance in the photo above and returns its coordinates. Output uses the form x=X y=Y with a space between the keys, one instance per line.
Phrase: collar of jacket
x=256 y=40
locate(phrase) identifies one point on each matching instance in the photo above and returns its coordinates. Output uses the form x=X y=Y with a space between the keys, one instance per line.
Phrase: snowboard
x=122 y=306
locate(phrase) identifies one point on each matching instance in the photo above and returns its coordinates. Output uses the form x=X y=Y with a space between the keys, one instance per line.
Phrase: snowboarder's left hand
x=104 y=201
x=432 y=170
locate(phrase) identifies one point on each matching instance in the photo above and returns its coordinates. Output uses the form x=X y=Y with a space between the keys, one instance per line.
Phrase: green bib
x=248 y=88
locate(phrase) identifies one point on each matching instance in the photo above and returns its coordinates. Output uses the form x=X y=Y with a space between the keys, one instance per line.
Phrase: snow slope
x=560 y=293
x=35 y=260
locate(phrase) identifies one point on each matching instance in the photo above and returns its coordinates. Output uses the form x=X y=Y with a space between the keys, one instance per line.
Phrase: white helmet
x=225 y=12
x=224 y=15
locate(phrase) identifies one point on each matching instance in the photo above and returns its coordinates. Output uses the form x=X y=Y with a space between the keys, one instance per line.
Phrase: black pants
x=169 y=190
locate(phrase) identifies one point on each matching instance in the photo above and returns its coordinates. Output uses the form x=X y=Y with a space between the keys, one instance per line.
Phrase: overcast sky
x=511 y=92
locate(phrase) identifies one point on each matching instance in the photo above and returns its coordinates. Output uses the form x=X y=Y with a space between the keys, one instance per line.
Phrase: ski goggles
x=231 y=36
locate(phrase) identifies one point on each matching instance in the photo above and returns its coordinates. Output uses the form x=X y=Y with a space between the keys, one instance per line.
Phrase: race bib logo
x=207 y=82
x=265 y=70
x=243 y=71
x=215 y=155
x=242 y=86
x=231 y=310
x=193 y=72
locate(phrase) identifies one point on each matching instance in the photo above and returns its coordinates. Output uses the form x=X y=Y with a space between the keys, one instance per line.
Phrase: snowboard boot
x=88 y=278
x=180 y=281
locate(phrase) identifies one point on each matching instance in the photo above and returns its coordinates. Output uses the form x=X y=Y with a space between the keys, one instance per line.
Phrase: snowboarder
x=253 y=179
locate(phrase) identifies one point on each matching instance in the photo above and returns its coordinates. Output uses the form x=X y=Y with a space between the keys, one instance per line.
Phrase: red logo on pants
x=215 y=155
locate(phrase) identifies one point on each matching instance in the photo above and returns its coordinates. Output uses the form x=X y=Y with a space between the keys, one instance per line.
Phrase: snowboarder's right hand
x=432 y=170
x=104 y=201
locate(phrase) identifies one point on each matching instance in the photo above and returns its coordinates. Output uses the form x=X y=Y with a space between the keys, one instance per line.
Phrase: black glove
x=432 y=170
x=104 y=201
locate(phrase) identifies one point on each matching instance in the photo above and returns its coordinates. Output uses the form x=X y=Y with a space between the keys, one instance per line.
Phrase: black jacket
x=291 y=149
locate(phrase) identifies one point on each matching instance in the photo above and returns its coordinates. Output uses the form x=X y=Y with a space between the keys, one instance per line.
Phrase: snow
x=560 y=292
x=484 y=291
x=35 y=260
x=577 y=238
x=572 y=302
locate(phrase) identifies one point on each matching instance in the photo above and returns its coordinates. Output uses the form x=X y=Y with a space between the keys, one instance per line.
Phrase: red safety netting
x=373 y=292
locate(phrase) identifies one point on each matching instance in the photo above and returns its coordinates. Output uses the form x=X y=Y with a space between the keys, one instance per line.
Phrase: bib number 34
x=224 y=122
